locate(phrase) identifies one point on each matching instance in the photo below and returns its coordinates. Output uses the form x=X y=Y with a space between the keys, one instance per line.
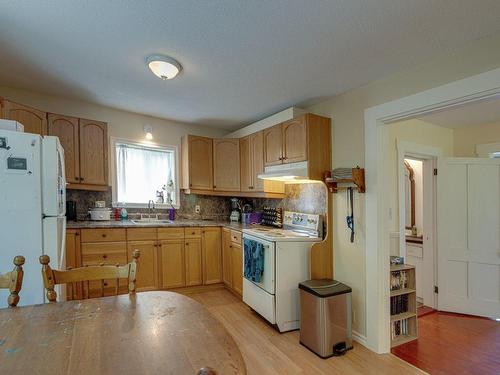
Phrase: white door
x=469 y=236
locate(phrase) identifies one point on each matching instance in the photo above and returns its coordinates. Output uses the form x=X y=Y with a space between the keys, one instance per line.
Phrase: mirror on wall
x=409 y=195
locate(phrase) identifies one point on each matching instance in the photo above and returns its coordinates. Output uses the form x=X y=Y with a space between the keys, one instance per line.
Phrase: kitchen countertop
x=87 y=224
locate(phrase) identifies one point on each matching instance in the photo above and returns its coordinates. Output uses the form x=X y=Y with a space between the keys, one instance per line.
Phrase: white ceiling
x=472 y=114
x=243 y=60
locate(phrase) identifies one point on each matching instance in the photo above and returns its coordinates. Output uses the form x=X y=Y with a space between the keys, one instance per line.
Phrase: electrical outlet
x=197 y=209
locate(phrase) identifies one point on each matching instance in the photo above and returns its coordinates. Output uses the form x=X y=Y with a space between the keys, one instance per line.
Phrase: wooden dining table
x=145 y=333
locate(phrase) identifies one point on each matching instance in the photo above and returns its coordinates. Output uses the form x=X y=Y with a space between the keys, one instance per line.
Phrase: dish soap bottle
x=123 y=214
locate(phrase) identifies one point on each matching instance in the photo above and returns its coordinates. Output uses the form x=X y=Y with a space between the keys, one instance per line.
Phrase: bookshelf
x=403 y=304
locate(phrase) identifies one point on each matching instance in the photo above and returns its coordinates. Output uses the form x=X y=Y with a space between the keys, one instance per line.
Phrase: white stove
x=286 y=258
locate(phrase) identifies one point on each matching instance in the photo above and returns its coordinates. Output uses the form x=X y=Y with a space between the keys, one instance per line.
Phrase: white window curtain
x=141 y=172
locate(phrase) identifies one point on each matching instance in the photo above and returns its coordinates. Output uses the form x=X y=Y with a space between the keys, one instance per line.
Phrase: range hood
x=291 y=172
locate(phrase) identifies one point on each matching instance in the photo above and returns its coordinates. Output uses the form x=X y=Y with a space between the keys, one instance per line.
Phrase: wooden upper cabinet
x=226 y=164
x=93 y=152
x=66 y=128
x=197 y=164
x=212 y=255
x=252 y=162
x=245 y=165
x=273 y=145
x=257 y=155
x=34 y=121
x=295 y=140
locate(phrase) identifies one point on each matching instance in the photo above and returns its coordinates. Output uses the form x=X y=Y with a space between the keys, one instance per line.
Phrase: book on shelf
x=399 y=280
x=399 y=304
x=400 y=328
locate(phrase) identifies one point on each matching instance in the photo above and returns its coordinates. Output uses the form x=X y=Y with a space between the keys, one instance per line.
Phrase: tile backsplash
x=308 y=198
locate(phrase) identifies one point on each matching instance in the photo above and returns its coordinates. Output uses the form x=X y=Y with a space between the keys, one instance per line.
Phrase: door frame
x=377 y=203
x=429 y=156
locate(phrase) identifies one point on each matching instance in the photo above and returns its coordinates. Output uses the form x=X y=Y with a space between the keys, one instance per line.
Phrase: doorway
x=377 y=201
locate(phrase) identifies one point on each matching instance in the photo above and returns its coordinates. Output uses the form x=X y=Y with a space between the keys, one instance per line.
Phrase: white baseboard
x=359 y=338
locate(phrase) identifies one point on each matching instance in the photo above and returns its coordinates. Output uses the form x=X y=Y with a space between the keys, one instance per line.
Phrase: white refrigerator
x=32 y=208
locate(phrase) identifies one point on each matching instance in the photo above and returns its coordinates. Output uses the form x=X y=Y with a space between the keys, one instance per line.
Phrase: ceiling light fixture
x=148 y=132
x=163 y=67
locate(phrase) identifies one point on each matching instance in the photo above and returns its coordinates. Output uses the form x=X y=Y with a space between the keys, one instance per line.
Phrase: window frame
x=114 y=185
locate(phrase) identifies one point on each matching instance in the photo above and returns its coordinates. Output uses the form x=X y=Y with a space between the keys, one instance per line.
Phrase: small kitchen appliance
x=235 y=210
x=100 y=213
x=71 y=211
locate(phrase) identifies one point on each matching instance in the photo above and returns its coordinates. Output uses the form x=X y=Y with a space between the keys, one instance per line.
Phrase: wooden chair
x=86 y=274
x=13 y=281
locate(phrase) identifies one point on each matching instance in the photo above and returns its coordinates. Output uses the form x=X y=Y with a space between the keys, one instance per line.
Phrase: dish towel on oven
x=254 y=260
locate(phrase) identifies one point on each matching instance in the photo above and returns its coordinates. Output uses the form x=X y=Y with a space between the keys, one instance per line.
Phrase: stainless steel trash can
x=325 y=317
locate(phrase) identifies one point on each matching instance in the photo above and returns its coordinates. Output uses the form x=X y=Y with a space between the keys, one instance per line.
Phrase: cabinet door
x=212 y=255
x=226 y=164
x=172 y=269
x=73 y=260
x=34 y=121
x=273 y=145
x=257 y=157
x=93 y=152
x=66 y=128
x=226 y=257
x=193 y=262
x=295 y=140
x=200 y=163
x=107 y=253
x=237 y=267
x=245 y=165
x=147 y=273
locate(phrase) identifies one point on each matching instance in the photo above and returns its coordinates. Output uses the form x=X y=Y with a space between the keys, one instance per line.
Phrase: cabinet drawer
x=103 y=235
x=414 y=251
x=192 y=232
x=108 y=253
x=170 y=233
x=236 y=236
x=141 y=234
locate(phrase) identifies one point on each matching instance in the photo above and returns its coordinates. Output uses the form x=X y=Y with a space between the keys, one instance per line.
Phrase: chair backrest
x=13 y=281
x=53 y=277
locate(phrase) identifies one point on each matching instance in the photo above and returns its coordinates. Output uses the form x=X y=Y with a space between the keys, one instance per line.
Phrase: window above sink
x=141 y=170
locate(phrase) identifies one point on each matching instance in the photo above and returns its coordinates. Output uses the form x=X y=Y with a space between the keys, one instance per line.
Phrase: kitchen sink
x=151 y=221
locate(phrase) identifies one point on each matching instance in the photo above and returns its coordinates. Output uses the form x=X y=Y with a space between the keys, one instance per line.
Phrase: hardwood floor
x=454 y=344
x=266 y=351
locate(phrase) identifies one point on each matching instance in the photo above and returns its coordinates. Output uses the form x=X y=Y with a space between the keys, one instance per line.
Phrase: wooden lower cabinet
x=170 y=257
x=107 y=253
x=73 y=260
x=212 y=255
x=147 y=273
x=192 y=251
x=226 y=257
x=172 y=263
x=237 y=267
x=232 y=260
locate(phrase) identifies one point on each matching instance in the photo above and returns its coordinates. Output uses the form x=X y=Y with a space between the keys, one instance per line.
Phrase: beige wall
x=121 y=124
x=347 y=113
x=466 y=139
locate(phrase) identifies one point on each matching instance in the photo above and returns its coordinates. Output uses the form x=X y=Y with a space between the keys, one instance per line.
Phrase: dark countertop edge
x=176 y=224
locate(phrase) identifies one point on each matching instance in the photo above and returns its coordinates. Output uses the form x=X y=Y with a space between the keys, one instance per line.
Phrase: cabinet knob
x=187 y=243
x=104 y=235
x=104 y=256
x=190 y=185
x=215 y=187
x=81 y=178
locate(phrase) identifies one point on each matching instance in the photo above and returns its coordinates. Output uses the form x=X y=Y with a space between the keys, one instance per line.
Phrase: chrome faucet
x=151 y=207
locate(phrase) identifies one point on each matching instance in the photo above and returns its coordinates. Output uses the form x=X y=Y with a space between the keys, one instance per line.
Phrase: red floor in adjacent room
x=454 y=344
